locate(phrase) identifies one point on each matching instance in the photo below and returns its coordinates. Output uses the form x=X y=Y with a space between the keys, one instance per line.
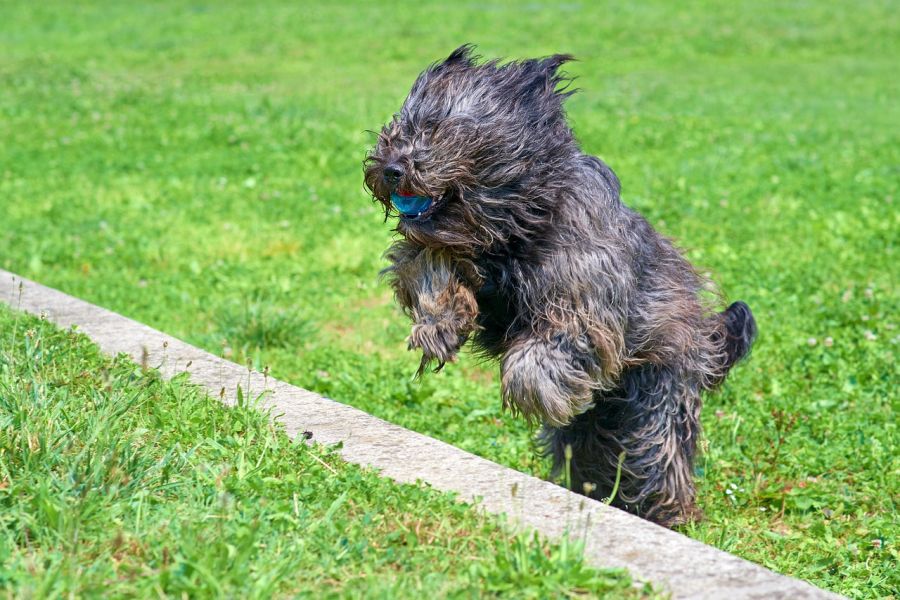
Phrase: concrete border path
x=613 y=538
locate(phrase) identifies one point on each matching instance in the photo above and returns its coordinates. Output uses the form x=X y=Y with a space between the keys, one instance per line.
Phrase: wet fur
x=599 y=323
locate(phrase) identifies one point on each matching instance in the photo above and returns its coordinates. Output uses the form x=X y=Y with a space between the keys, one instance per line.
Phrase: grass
x=197 y=167
x=115 y=483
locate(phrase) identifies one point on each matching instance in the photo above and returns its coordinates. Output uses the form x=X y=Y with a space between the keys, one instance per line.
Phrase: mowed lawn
x=197 y=166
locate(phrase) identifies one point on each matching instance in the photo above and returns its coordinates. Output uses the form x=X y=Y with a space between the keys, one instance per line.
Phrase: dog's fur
x=599 y=322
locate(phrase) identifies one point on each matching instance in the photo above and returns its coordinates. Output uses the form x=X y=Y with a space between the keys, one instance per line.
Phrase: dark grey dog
x=512 y=236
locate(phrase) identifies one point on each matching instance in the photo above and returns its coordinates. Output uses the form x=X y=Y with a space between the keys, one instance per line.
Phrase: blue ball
x=410 y=206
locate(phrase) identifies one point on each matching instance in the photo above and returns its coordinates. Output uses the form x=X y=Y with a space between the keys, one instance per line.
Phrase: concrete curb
x=613 y=538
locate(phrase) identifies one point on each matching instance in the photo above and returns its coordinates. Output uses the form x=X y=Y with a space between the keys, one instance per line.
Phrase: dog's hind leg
x=585 y=452
x=654 y=419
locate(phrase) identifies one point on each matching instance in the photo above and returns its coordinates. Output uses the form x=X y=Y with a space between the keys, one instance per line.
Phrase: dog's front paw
x=541 y=380
x=438 y=340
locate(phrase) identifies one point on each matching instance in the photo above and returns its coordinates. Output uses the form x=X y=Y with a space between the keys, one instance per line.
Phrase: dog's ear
x=551 y=64
x=464 y=55
x=558 y=83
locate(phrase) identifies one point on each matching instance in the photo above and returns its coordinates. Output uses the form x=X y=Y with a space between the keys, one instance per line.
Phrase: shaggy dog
x=511 y=236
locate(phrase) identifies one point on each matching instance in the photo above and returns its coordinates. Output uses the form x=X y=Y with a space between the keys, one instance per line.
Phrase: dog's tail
x=740 y=331
x=734 y=330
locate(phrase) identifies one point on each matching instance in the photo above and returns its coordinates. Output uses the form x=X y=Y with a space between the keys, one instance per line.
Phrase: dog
x=512 y=237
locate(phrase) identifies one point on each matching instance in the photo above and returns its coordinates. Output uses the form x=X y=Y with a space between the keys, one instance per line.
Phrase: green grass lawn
x=115 y=484
x=198 y=167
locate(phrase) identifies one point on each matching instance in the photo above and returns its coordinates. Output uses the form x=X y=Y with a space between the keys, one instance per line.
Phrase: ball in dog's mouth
x=410 y=206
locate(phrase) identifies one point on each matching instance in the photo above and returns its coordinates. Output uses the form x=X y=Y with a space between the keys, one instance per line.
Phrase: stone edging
x=613 y=538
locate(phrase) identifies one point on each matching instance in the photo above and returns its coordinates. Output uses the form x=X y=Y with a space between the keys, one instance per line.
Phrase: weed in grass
x=257 y=325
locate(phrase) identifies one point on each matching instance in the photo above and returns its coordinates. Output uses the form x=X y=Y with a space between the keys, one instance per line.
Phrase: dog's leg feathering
x=429 y=287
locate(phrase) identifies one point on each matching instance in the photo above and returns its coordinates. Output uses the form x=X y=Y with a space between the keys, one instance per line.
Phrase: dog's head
x=461 y=163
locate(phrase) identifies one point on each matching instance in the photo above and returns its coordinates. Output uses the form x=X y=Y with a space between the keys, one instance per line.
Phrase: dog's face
x=471 y=141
